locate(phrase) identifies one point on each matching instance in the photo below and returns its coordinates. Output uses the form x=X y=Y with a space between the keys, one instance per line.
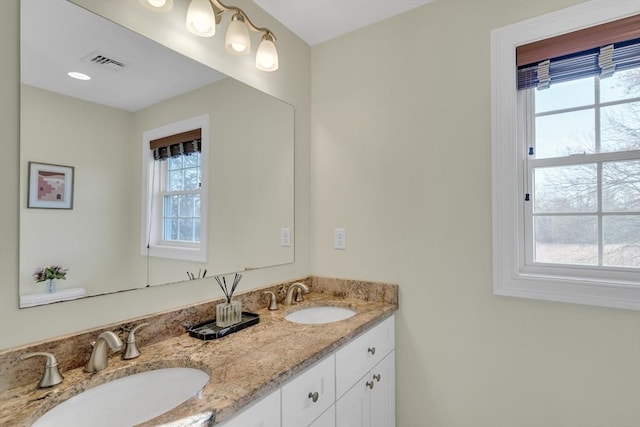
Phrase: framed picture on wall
x=50 y=186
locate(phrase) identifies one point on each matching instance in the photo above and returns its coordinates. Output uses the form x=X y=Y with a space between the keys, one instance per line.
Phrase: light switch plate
x=285 y=236
x=340 y=238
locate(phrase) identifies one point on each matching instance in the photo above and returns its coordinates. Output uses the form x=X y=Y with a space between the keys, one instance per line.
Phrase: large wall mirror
x=94 y=129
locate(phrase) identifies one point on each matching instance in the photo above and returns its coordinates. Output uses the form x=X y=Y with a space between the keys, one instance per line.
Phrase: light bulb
x=267 y=55
x=158 y=5
x=201 y=19
x=238 y=41
x=239 y=47
x=78 y=76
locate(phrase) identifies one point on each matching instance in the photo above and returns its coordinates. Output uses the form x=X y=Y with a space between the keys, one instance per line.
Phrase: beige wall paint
x=291 y=83
x=401 y=138
x=401 y=159
x=250 y=164
x=68 y=131
x=250 y=176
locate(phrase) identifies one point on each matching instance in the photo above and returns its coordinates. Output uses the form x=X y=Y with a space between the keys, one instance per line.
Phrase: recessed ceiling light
x=79 y=76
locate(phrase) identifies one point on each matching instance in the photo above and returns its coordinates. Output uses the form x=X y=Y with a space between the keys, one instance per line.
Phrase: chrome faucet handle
x=273 y=304
x=51 y=375
x=131 y=350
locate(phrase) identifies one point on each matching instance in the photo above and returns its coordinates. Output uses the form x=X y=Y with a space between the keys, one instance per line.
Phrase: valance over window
x=184 y=143
x=598 y=50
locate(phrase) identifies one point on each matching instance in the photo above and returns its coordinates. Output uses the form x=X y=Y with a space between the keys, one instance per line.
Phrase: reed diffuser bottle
x=229 y=312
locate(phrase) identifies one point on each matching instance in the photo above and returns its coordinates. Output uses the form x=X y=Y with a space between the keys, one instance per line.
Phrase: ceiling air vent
x=105 y=61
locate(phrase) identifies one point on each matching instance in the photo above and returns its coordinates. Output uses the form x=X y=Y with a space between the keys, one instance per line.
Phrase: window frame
x=510 y=277
x=157 y=247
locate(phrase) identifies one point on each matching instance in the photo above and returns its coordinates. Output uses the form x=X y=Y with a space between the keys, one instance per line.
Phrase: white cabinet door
x=354 y=408
x=264 y=413
x=309 y=394
x=371 y=401
x=383 y=393
x=328 y=419
x=360 y=355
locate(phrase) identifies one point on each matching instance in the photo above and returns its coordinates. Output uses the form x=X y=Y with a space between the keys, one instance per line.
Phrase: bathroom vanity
x=353 y=386
x=277 y=372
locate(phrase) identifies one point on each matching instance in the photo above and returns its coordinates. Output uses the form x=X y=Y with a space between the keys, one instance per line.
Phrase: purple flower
x=47 y=273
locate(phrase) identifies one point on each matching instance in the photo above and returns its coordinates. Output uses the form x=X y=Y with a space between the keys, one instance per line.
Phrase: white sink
x=319 y=315
x=129 y=400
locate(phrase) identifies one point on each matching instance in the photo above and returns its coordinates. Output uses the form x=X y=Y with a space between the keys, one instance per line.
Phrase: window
x=175 y=181
x=181 y=184
x=582 y=172
x=566 y=167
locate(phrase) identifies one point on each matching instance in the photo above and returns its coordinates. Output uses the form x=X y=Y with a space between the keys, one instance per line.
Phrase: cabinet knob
x=377 y=377
x=370 y=384
x=372 y=350
x=314 y=396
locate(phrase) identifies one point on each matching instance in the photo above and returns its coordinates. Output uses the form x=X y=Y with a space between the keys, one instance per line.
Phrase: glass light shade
x=238 y=41
x=201 y=19
x=158 y=5
x=267 y=55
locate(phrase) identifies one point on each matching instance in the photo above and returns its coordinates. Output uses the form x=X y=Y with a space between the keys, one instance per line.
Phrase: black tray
x=210 y=331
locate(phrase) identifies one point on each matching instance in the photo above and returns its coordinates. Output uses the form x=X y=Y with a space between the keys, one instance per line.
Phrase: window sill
x=587 y=291
x=178 y=252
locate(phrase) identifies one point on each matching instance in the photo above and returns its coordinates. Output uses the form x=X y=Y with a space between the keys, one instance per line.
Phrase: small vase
x=51 y=286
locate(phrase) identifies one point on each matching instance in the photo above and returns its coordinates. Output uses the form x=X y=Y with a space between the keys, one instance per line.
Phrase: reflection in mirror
x=97 y=127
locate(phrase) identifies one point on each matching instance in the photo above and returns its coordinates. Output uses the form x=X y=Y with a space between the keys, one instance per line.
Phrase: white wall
x=291 y=83
x=401 y=157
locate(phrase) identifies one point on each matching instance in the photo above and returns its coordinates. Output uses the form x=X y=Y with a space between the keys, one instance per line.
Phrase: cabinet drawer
x=298 y=395
x=360 y=355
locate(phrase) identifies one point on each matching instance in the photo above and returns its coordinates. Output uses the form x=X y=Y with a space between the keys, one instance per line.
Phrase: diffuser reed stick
x=223 y=285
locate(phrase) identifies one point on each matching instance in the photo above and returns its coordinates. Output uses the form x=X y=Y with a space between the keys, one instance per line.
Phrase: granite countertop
x=243 y=366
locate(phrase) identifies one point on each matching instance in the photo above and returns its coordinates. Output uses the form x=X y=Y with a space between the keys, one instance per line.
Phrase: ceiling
x=316 y=21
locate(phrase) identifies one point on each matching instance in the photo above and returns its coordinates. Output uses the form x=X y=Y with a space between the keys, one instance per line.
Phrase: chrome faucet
x=299 y=288
x=51 y=375
x=98 y=359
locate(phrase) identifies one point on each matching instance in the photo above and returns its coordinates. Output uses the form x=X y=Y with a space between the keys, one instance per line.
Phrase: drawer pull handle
x=314 y=396
x=372 y=350
x=370 y=384
x=377 y=377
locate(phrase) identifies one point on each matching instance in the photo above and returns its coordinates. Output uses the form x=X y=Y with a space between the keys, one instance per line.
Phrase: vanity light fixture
x=78 y=76
x=267 y=55
x=201 y=20
x=238 y=41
